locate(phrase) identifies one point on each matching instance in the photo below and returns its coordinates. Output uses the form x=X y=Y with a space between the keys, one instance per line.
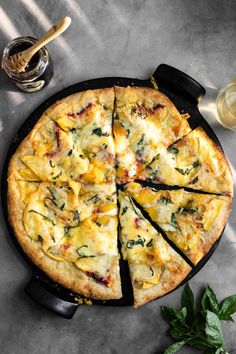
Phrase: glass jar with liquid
x=38 y=72
x=226 y=106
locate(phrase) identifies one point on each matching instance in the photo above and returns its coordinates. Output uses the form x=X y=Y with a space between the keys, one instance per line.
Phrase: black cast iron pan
x=185 y=93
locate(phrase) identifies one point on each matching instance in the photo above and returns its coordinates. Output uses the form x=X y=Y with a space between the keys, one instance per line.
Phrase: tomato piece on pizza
x=192 y=221
x=155 y=268
x=145 y=121
x=195 y=162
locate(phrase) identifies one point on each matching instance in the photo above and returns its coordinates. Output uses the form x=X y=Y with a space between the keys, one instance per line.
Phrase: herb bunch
x=199 y=325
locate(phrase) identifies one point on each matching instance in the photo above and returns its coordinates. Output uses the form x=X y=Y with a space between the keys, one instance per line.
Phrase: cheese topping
x=188 y=219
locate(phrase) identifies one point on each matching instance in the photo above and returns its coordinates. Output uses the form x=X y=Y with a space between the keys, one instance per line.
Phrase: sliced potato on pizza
x=73 y=232
x=145 y=121
x=192 y=221
x=195 y=162
x=49 y=154
x=155 y=268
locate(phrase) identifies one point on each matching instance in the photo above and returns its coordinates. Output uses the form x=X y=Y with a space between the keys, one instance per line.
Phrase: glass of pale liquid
x=226 y=106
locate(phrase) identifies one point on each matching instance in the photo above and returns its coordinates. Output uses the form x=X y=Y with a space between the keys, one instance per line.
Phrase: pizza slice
x=88 y=115
x=145 y=121
x=71 y=235
x=192 y=221
x=155 y=268
x=71 y=141
x=196 y=162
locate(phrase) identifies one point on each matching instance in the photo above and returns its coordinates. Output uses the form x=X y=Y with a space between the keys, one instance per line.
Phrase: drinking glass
x=226 y=106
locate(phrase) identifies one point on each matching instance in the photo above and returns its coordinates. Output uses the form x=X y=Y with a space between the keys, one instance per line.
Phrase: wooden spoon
x=21 y=60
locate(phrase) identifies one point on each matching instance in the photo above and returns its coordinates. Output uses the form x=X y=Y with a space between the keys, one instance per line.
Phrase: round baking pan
x=185 y=93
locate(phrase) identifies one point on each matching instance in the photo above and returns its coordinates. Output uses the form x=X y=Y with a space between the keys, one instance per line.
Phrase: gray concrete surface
x=115 y=38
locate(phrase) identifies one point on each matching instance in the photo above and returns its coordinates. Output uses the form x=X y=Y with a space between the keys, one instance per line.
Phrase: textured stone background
x=114 y=38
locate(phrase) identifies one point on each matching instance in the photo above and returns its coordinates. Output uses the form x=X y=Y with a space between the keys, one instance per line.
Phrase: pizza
x=192 y=221
x=155 y=268
x=63 y=182
x=145 y=121
x=194 y=161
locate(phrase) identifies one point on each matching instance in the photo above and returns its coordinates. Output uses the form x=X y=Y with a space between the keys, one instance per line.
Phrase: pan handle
x=39 y=292
x=170 y=76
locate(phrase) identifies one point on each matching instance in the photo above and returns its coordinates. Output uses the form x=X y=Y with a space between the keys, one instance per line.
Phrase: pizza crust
x=171 y=279
x=26 y=148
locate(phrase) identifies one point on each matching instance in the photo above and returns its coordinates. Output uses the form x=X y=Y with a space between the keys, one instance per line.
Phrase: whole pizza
x=77 y=200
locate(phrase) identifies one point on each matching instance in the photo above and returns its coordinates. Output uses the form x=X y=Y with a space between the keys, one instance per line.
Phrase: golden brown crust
x=26 y=148
x=134 y=93
x=78 y=101
x=170 y=280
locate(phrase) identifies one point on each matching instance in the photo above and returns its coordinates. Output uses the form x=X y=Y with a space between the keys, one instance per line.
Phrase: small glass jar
x=38 y=72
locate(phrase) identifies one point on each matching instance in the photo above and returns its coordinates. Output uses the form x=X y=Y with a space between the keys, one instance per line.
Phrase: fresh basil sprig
x=199 y=326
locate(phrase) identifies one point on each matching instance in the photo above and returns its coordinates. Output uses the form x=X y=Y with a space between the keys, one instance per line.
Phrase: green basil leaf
x=213 y=329
x=179 y=330
x=227 y=308
x=173 y=150
x=43 y=216
x=187 y=300
x=169 y=313
x=175 y=347
x=172 y=314
x=201 y=342
x=209 y=300
x=182 y=314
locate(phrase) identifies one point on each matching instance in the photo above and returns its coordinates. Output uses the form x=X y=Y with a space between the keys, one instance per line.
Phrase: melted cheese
x=73 y=227
x=187 y=218
x=213 y=209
